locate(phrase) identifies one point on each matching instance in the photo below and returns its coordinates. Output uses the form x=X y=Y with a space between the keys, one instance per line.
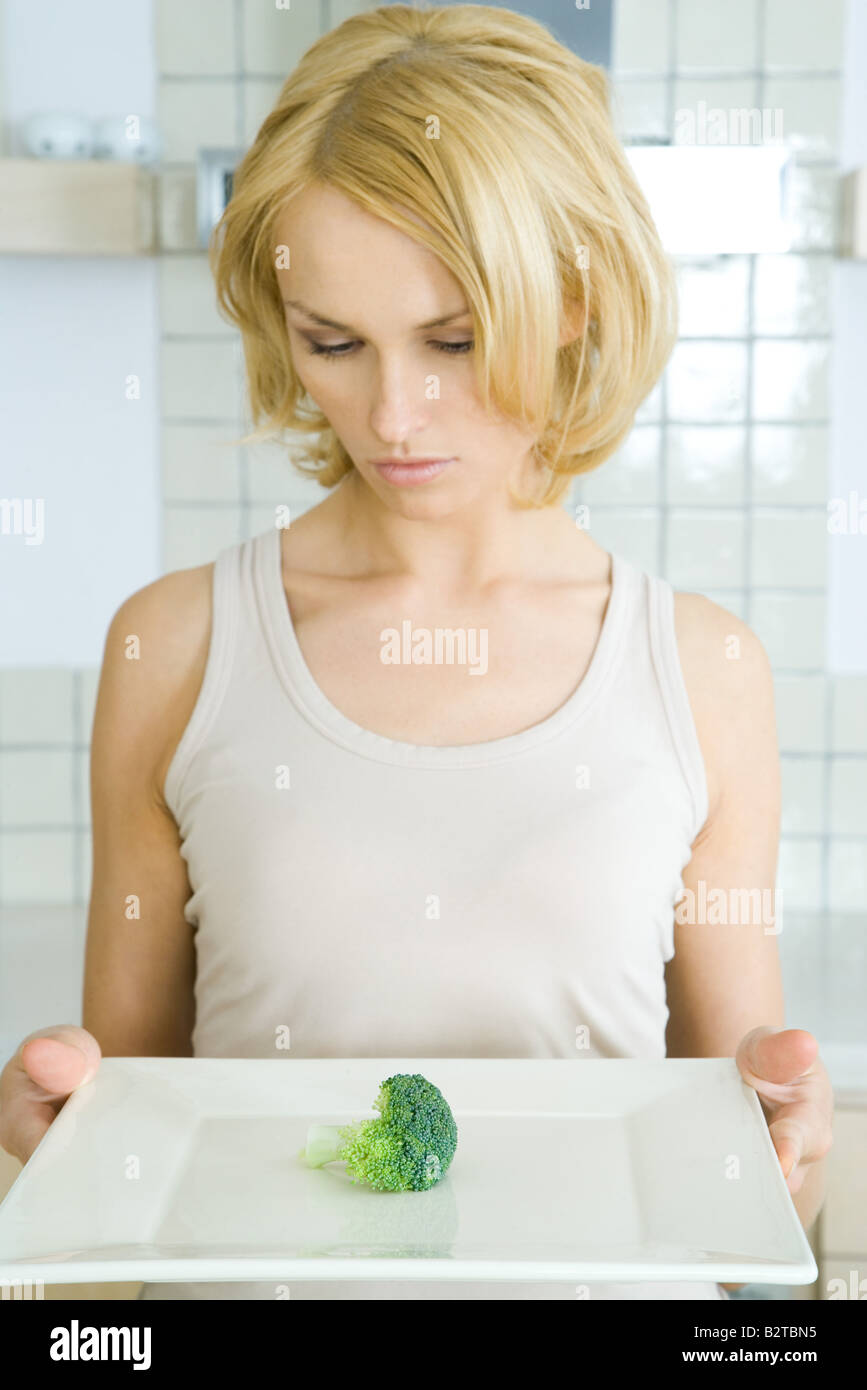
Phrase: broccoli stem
x=324 y=1143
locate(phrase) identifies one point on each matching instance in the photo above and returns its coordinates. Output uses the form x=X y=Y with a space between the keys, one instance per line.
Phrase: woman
x=445 y=274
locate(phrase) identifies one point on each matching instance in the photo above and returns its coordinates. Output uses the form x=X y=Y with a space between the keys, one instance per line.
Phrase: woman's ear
x=575 y=317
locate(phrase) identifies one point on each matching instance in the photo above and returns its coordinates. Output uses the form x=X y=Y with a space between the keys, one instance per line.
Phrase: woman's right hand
x=49 y=1065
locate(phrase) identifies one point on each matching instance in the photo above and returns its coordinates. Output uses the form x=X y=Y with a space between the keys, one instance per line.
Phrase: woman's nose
x=400 y=401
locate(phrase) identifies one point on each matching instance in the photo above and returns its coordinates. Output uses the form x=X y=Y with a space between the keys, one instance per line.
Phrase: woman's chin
x=433 y=498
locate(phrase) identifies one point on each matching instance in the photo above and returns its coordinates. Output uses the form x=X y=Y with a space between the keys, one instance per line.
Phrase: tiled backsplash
x=722 y=486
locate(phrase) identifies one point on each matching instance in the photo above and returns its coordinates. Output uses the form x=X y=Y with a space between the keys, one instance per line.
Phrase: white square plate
x=177 y=1168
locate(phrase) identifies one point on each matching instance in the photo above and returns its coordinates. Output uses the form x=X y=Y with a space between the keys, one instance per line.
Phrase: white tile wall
x=848 y=802
x=272 y=478
x=790 y=463
x=81 y=787
x=710 y=93
x=792 y=294
x=849 y=731
x=200 y=461
x=847 y=874
x=706 y=465
x=36 y=706
x=193 y=535
x=37 y=787
x=705 y=549
x=650 y=409
x=790 y=380
x=800 y=874
x=708 y=381
x=88 y=684
x=274 y=39
x=345 y=9
x=799 y=35
x=731 y=43
x=633 y=533
x=37 y=866
x=803 y=795
x=733 y=600
x=800 y=708
x=83 y=865
x=195 y=113
x=632 y=475
x=788 y=549
x=259 y=94
x=811 y=113
x=641 y=41
x=196 y=38
x=639 y=110
x=792 y=628
x=187 y=299
x=201 y=380
x=714 y=297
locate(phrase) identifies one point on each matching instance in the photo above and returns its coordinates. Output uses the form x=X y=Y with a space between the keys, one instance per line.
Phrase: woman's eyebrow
x=345 y=328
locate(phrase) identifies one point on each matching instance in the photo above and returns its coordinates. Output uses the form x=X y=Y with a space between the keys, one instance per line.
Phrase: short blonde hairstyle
x=500 y=140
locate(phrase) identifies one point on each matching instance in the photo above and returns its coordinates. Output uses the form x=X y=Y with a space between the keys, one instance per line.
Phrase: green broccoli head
x=407 y=1148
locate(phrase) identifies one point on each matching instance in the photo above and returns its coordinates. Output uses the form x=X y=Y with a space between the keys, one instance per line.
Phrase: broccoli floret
x=407 y=1148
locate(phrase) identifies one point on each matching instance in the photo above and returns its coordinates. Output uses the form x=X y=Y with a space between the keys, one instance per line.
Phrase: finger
x=24 y=1129
x=789 y=1144
x=808 y=1121
x=795 y=1180
x=801 y=1135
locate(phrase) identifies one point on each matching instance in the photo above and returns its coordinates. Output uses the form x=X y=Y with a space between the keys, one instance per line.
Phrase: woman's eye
x=335 y=350
x=455 y=347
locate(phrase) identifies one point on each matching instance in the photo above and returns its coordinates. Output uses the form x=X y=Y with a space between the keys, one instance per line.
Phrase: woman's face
x=392 y=387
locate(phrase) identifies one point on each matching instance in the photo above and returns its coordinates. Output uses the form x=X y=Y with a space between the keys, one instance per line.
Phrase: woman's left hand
x=783 y=1066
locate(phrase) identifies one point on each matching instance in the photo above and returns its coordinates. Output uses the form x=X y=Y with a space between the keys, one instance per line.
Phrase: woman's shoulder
x=154 y=660
x=164 y=620
x=716 y=642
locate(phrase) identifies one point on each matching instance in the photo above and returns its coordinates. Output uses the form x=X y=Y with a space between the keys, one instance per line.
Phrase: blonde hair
x=525 y=193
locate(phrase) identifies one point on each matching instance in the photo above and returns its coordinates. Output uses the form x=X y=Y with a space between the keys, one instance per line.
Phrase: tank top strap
x=675 y=699
x=226 y=598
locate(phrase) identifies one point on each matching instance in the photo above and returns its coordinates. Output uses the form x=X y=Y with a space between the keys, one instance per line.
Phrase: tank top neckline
x=311 y=701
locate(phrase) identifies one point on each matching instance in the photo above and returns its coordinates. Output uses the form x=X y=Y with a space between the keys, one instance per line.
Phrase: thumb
x=59 y=1059
x=774 y=1061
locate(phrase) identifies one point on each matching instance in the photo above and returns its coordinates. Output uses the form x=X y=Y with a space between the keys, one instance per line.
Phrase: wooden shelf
x=88 y=207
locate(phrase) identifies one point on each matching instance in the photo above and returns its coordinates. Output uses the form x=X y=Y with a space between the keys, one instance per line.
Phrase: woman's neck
x=471 y=549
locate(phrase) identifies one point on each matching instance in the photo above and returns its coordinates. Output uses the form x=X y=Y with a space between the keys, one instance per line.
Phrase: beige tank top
x=513 y=898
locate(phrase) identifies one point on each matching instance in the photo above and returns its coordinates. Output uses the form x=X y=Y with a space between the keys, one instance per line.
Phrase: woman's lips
x=410 y=474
